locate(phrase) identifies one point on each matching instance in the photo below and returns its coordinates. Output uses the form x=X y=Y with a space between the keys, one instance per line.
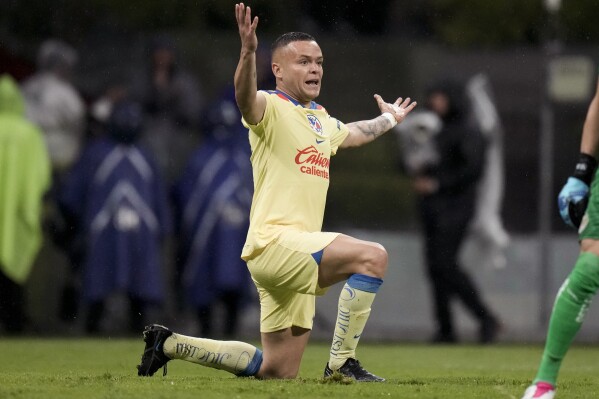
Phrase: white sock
x=236 y=357
x=352 y=315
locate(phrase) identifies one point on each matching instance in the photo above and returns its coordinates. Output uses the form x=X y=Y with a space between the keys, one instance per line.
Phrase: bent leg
x=363 y=264
x=353 y=310
x=346 y=256
x=283 y=351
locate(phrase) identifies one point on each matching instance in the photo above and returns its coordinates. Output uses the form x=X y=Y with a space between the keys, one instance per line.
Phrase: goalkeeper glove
x=574 y=197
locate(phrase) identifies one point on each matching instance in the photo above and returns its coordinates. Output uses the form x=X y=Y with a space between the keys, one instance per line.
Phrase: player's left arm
x=365 y=131
x=573 y=197
x=590 y=131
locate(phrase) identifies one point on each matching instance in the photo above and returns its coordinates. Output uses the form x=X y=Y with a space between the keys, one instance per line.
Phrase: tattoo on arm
x=370 y=129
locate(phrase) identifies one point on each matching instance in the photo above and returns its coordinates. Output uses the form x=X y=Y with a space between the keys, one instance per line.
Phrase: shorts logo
x=314 y=123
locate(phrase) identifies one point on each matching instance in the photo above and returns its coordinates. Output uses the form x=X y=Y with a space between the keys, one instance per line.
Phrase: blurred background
x=540 y=59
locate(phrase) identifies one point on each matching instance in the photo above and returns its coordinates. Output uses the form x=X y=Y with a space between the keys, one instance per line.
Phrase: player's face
x=298 y=69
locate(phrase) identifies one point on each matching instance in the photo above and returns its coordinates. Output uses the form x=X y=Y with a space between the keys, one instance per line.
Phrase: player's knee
x=377 y=259
x=585 y=275
x=277 y=373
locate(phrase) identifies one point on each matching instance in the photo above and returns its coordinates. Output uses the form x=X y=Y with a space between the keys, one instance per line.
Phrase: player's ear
x=276 y=70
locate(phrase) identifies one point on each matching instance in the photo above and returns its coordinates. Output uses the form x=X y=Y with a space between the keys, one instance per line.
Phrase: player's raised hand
x=399 y=109
x=247 y=27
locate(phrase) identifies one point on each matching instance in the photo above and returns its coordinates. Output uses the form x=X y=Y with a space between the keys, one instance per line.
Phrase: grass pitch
x=105 y=368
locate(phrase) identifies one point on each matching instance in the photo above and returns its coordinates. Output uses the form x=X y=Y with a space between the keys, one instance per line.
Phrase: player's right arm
x=251 y=104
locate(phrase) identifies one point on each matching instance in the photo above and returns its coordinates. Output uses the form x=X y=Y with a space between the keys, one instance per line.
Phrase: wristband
x=585 y=168
x=391 y=118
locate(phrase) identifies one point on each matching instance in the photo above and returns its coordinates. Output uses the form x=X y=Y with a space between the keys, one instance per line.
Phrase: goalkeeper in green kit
x=578 y=207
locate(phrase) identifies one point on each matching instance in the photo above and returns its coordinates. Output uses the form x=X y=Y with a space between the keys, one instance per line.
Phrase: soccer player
x=290 y=259
x=574 y=297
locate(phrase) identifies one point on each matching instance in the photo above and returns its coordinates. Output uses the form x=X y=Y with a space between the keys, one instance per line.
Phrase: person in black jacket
x=446 y=190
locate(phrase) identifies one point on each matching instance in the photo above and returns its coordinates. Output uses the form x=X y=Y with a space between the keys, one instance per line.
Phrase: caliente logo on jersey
x=313 y=162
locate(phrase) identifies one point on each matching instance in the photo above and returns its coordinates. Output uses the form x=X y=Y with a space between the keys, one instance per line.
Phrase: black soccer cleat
x=153 y=357
x=352 y=369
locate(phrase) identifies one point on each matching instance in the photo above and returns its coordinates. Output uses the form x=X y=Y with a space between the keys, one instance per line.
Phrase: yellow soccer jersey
x=291 y=151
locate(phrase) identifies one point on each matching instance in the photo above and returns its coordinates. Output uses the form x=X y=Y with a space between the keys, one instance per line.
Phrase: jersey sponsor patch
x=313 y=162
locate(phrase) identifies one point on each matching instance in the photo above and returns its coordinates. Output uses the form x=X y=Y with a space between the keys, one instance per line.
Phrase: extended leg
x=571 y=305
x=162 y=345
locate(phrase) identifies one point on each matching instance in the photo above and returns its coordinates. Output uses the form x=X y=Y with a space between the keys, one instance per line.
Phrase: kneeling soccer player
x=290 y=259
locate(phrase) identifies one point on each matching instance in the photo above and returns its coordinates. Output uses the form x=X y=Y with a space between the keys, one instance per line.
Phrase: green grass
x=65 y=368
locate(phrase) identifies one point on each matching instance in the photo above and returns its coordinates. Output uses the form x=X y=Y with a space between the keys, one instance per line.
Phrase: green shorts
x=286 y=276
x=589 y=226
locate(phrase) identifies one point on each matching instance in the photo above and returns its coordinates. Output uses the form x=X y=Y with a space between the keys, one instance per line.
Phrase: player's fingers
x=241 y=15
x=398 y=101
x=254 y=24
x=237 y=13
x=379 y=99
x=407 y=110
x=406 y=102
x=411 y=106
x=248 y=16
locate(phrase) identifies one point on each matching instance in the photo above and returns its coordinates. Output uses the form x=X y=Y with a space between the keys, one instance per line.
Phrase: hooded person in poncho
x=446 y=183
x=117 y=197
x=25 y=176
